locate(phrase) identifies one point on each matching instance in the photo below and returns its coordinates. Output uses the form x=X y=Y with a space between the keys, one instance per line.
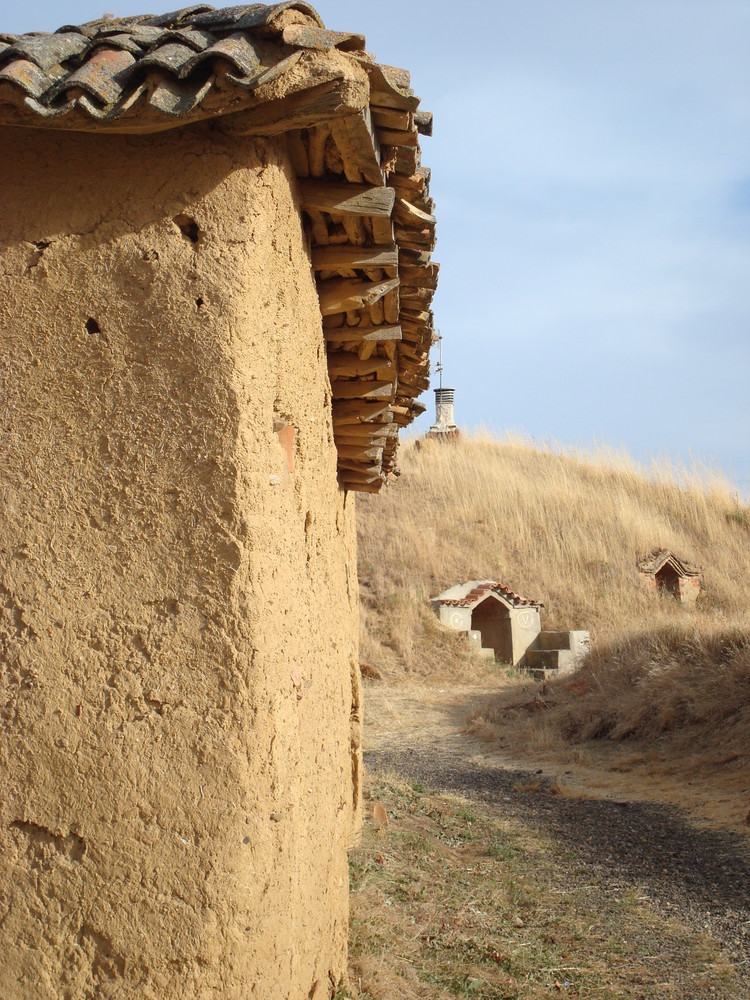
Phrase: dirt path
x=700 y=876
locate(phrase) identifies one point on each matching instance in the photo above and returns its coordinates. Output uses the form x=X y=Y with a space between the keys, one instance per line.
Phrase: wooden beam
x=363 y=389
x=407 y=159
x=366 y=349
x=346 y=199
x=408 y=353
x=414 y=257
x=359 y=147
x=319 y=228
x=354 y=487
x=370 y=433
x=298 y=154
x=354 y=225
x=421 y=277
x=316 y=140
x=393 y=137
x=391 y=118
x=411 y=384
x=402 y=415
x=368 y=429
x=415 y=298
x=375 y=310
x=344 y=294
x=391 y=306
x=356 y=453
x=419 y=317
x=357 y=334
x=361 y=470
x=349 y=365
x=414 y=186
x=348 y=257
x=420 y=243
x=364 y=438
x=407 y=213
x=352 y=412
x=382 y=230
x=304 y=109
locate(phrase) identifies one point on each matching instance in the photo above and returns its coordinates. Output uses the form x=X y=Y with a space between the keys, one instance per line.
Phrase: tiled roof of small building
x=352 y=127
x=659 y=558
x=481 y=589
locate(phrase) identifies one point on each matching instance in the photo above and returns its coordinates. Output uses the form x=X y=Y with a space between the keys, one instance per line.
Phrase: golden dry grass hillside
x=568 y=529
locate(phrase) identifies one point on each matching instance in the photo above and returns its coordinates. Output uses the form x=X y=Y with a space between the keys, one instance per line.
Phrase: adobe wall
x=178 y=719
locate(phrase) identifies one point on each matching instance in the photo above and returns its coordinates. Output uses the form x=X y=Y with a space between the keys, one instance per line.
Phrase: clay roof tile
x=103 y=76
x=26 y=75
x=47 y=51
x=482 y=589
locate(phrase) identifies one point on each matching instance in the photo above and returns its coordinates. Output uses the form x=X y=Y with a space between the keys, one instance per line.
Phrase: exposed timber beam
x=362 y=334
x=345 y=295
x=350 y=257
x=346 y=199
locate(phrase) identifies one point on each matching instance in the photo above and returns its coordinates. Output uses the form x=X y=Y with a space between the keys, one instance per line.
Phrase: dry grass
x=669 y=682
x=561 y=528
x=451 y=900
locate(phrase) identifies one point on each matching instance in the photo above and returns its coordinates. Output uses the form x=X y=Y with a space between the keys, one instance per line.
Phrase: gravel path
x=700 y=876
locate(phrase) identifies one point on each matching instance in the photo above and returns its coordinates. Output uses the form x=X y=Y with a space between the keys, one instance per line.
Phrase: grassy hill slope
x=568 y=530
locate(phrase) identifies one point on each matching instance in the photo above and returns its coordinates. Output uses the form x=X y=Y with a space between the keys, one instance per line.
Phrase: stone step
x=577 y=641
x=553 y=640
x=562 y=661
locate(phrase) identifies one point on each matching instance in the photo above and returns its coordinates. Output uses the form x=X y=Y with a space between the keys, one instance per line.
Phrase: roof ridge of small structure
x=481 y=589
x=658 y=558
x=352 y=128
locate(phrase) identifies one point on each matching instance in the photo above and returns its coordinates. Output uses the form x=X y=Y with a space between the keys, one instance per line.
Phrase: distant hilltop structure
x=445 y=425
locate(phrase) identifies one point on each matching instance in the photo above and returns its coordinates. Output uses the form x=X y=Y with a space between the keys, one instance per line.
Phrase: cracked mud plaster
x=173 y=817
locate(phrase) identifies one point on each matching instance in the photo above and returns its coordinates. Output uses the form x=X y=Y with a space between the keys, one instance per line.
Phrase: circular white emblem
x=526 y=619
x=457 y=619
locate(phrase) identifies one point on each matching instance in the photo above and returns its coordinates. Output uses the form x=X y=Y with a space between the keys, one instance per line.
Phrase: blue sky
x=591 y=168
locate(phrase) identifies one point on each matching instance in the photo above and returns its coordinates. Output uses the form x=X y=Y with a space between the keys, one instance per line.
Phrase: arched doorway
x=492 y=619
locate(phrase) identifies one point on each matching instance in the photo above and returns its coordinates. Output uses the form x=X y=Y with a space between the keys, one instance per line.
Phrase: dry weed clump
x=674 y=682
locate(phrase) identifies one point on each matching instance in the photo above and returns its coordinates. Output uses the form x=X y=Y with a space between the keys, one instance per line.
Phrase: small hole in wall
x=92 y=326
x=286 y=432
x=188 y=227
x=199 y=302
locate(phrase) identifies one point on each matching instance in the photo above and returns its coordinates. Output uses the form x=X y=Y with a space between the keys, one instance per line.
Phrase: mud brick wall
x=178 y=602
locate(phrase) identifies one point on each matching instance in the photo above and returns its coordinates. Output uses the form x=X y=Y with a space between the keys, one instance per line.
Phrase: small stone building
x=663 y=572
x=493 y=616
x=215 y=301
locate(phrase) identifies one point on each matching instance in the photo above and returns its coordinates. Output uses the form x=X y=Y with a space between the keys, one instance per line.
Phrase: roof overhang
x=352 y=128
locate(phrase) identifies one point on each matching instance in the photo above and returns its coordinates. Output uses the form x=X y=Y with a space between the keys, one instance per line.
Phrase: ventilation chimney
x=445 y=424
